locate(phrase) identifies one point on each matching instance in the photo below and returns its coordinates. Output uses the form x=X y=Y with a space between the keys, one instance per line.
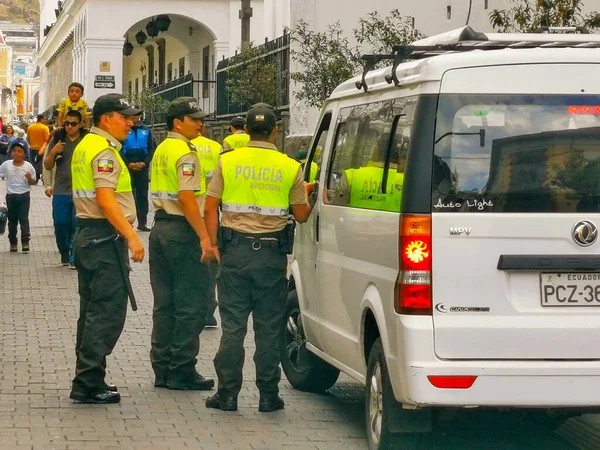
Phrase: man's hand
x=136 y=248
x=133 y=166
x=142 y=165
x=49 y=191
x=58 y=149
x=208 y=253
x=309 y=188
x=217 y=253
x=28 y=177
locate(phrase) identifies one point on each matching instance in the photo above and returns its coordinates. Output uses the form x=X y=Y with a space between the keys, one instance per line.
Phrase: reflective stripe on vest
x=366 y=192
x=257 y=181
x=237 y=140
x=165 y=180
x=208 y=154
x=82 y=171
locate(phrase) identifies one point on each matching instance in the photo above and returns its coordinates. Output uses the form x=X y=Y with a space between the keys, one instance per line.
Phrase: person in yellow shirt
x=238 y=137
x=74 y=101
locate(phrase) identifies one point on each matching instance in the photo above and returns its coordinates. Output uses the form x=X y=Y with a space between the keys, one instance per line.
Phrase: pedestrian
x=5 y=140
x=105 y=211
x=208 y=153
x=257 y=185
x=238 y=137
x=21 y=141
x=63 y=209
x=73 y=101
x=20 y=177
x=179 y=245
x=137 y=153
x=37 y=135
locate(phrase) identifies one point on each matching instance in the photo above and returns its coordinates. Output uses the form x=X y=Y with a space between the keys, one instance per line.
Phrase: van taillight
x=413 y=288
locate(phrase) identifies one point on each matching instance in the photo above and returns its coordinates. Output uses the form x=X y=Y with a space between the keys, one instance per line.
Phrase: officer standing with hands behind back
x=257 y=186
x=179 y=245
x=105 y=211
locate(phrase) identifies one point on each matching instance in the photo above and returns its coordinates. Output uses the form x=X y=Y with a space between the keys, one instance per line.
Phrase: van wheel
x=304 y=370
x=379 y=400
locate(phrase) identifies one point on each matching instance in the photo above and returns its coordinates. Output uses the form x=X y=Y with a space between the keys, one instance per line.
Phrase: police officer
x=257 y=185
x=105 y=211
x=179 y=245
x=137 y=153
x=238 y=137
x=208 y=153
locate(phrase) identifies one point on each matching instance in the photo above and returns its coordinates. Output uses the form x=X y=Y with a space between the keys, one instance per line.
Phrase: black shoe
x=25 y=248
x=143 y=228
x=100 y=398
x=211 y=322
x=111 y=387
x=199 y=383
x=160 y=382
x=222 y=402
x=14 y=248
x=270 y=403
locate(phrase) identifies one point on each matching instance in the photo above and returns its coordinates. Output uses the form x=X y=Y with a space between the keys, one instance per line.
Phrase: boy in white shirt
x=20 y=176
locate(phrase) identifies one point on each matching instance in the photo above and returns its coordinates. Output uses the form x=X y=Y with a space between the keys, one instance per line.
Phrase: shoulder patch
x=189 y=169
x=106 y=165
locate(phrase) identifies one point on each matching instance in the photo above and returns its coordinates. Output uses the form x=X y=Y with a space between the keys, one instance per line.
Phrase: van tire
x=379 y=403
x=304 y=370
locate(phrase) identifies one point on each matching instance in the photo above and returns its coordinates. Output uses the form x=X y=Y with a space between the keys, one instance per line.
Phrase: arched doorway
x=179 y=61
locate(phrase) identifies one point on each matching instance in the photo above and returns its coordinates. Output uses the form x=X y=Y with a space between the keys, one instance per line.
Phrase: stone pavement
x=38 y=313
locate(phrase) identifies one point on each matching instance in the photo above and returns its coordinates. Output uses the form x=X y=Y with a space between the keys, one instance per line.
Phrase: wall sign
x=105 y=82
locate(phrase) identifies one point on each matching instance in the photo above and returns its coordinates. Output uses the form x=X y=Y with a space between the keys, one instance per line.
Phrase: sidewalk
x=38 y=314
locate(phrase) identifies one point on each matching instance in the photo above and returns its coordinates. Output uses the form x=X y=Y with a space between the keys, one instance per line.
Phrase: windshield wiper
x=480 y=133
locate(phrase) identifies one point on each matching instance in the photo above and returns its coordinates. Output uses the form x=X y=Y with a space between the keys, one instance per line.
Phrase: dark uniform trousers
x=213 y=269
x=139 y=185
x=103 y=302
x=181 y=288
x=251 y=281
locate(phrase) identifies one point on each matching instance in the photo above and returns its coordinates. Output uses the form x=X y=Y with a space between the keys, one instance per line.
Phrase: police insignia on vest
x=189 y=170
x=105 y=165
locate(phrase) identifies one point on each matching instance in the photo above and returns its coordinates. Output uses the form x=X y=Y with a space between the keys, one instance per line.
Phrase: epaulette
x=111 y=144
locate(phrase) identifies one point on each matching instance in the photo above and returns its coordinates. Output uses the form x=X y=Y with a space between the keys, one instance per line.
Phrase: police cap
x=238 y=123
x=114 y=103
x=261 y=119
x=185 y=106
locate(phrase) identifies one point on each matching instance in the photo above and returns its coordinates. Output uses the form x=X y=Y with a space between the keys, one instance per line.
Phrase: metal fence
x=276 y=51
x=186 y=86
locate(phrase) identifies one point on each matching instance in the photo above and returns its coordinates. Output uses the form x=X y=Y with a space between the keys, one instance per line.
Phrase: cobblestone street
x=38 y=313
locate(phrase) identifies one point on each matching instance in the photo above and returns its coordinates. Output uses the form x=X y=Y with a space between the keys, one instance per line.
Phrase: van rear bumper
x=515 y=383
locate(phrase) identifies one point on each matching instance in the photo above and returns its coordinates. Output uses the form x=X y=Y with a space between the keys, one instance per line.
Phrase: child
x=74 y=102
x=20 y=177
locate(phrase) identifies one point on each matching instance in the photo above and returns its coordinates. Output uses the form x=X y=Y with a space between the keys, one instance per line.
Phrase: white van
x=452 y=258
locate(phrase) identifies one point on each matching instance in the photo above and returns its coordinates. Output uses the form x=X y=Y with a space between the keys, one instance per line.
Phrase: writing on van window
x=479 y=204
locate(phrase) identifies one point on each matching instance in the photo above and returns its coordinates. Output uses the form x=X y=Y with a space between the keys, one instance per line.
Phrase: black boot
x=222 y=401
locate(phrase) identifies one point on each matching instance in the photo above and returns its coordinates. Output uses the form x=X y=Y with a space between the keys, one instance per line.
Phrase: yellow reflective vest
x=366 y=192
x=165 y=181
x=81 y=166
x=258 y=181
x=208 y=154
x=237 y=140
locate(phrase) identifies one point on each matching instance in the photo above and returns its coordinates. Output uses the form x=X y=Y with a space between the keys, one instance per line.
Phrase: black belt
x=94 y=223
x=256 y=241
x=162 y=215
x=255 y=236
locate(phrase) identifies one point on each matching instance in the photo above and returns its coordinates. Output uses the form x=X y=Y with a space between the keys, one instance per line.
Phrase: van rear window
x=517 y=153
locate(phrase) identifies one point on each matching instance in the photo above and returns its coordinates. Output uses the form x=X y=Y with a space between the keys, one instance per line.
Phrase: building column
x=43 y=85
x=98 y=51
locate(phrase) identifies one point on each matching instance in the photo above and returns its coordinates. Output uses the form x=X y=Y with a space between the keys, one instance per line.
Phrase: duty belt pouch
x=224 y=236
x=287 y=237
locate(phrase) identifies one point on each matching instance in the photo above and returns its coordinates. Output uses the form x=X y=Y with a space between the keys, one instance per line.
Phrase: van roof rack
x=466 y=39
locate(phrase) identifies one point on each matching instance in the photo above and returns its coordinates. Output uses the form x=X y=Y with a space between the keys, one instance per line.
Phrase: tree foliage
x=154 y=106
x=328 y=58
x=380 y=34
x=252 y=77
x=526 y=16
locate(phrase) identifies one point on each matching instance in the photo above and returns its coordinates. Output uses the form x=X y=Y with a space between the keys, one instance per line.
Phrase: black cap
x=238 y=123
x=261 y=119
x=185 y=106
x=115 y=103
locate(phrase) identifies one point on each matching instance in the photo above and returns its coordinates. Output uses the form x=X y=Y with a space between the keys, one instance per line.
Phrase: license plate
x=570 y=289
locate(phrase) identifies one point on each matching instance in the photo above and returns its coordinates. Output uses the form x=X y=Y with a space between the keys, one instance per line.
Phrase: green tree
x=526 y=16
x=381 y=34
x=252 y=77
x=327 y=58
x=153 y=105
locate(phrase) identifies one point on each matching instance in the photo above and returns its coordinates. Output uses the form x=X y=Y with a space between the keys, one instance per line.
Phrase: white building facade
x=86 y=44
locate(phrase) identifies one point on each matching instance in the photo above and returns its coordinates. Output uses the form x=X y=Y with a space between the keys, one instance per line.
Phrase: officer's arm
x=299 y=204
x=110 y=207
x=211 y=217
